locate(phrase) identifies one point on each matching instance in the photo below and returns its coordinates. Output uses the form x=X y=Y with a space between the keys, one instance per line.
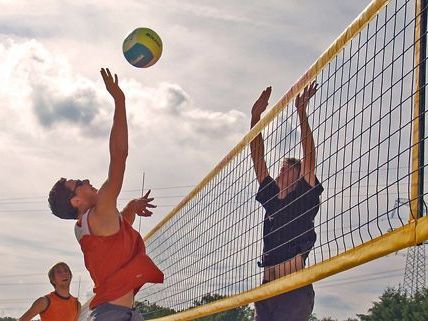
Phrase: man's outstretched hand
x=142 y=205
x=261 y=103
x=112 y=85
x=302 y=99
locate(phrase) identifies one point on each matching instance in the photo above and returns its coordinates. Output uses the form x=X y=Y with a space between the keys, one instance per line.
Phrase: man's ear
x=75 y=201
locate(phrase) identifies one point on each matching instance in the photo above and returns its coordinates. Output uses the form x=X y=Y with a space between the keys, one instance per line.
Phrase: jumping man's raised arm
x=257 y=145
x=307 y=139
x=105 y=211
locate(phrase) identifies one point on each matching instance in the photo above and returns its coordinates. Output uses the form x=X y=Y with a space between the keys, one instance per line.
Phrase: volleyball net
x=367 y=119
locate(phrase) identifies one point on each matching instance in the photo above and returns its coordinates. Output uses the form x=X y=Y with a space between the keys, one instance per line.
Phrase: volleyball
x=142 y=48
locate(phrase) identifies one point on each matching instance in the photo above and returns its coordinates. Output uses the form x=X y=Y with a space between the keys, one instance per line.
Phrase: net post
x=417 y=176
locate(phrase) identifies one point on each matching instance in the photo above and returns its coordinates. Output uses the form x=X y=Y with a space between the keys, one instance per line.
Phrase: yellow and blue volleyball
x=142 y=48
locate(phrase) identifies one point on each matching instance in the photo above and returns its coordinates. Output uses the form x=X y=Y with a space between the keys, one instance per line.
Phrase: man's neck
x=285 y=190
x=63 y=292
x=82 y=211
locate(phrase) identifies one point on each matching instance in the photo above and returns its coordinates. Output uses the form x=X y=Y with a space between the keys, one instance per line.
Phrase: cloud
x=334 y=302
x=59 y=97
x=51 y=108
x=173 y=98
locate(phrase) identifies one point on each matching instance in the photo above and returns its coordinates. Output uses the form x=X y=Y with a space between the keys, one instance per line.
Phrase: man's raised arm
x=307 y=139
x=257 y=145
x=108 y=193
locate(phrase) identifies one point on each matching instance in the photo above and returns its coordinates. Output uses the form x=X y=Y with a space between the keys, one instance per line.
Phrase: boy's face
x=290 y=173
x=62 y=276
x=82 y=189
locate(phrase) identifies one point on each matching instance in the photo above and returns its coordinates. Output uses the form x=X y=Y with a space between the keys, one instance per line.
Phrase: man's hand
x=112 y=85
x=302 y=100
x=140 y=206
x=261 y=103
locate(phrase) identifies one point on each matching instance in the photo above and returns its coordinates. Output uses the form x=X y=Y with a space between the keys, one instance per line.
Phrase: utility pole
x=78 y=290
x=142 y=193
x=415 y=269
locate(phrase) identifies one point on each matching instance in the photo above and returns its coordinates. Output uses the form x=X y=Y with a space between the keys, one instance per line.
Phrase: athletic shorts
x=112 y=312
x=296 y=305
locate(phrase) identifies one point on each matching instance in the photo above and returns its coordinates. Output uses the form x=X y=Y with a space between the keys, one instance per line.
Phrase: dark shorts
x=296 y=305
x=112 y=312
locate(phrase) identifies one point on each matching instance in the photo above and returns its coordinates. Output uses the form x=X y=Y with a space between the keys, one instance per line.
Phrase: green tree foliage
x=395 y=305
x=7 y=319
x=152 y=310
x=244 y=313
x=313 y=317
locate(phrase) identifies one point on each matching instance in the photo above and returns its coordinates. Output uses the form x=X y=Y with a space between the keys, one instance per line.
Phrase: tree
x=7 y=319
x=152 y=310
x=244 y=313
x=313 y=317
x=395 y=305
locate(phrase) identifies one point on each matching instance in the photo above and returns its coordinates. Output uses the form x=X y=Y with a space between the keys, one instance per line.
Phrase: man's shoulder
x=43 y=303
x=268 y=184
x=304 y=187
x=72 y=297
x=101 y=223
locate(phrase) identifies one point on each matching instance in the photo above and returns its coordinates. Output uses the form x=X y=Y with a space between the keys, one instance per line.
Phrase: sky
x=184 y=114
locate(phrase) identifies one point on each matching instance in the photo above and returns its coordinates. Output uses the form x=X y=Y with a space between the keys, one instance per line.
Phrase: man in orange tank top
x=114 y=252
x=59 y=304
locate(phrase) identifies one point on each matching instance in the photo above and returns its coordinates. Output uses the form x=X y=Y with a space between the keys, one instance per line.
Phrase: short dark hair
x=59 y=201
x=294 y=162
x=51 y=272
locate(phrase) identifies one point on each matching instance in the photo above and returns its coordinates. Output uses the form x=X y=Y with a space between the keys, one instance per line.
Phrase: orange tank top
x=60 y=308
x=117 y=263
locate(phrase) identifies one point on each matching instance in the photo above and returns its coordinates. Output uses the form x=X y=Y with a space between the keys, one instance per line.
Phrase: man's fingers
x=314 y=86
x=151 y=206
x=147 y=194
x=266 y=93
x=145 y=200
x=103 y=74
x=109 y=73
x=145 y=213
x=116 y=80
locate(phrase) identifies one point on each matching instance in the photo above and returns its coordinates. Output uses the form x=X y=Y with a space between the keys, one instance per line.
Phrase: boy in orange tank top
x=59 y=304
x=114 y=252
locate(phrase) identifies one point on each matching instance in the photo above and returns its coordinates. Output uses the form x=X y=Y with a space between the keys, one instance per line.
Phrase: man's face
x=290 y=173
x=82 y=189
x=62 y=276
